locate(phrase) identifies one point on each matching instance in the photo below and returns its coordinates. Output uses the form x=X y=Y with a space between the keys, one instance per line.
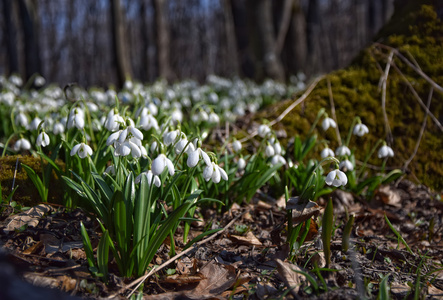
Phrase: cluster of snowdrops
x=138 y=161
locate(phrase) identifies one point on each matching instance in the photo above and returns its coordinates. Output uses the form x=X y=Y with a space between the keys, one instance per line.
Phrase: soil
x=45 y=259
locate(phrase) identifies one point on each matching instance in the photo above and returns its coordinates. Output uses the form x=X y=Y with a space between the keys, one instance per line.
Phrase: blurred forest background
x=102 y=42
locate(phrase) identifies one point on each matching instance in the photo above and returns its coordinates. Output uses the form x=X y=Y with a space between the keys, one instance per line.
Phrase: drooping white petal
x=159 y=164
x=193 y=158
x=205 y=156
x=216 y=173
x=236 y=146
x=170 y=166
x=113 y=138
x=207 y=172
x=223 y=173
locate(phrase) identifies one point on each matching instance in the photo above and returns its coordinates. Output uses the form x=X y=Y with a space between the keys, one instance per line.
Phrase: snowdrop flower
x=336 y=178
x=58 y=128
x=160 y=163
x=82 y=150
x=346 y=165
x=110 y=170
x=236 y=146
x=182 y=144
x=177 y=116
x=269 y=150
x=34 y=123
x=150 y=177
x=385 y=151
x=203 y=116
x=241 y=164
x=39 y=81
x=76 y=118
x=263 y=130
x=113 y=138
x=195 y=155
x=170 y=137
x=328 y=122
x=213 y=118
x=148 y=121
x=114 y=120
x=277 y=148
x=326 y=152
x=360 y=129
x=342 y=151
x=128 y=147
x=21 y=120
x=276 y=159
x=214 y=172
x=130 y=133
x=42 y=139
x=22 y=144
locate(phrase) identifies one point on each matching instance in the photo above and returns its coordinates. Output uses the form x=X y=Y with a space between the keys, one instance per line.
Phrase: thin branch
x=331 y=101
x=417 y=97
x=291 y=107
x=383 y=81
x=420 y=72
x=285 y=22
x=154 y=270
x=422 y=130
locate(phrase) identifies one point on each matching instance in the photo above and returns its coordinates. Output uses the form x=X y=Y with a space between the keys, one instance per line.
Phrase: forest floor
x=247 y=259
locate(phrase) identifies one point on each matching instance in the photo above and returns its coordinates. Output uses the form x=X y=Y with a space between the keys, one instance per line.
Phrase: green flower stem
x=363 y=167
x=7 y=143
x=320 y=113
x=348 y=138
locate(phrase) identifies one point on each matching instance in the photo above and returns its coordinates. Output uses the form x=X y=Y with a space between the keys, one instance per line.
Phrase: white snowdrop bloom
x=203 y=116
x=241 y=164
x=152 y=108
x=42 y=139
x=213 y=98
x=128 y=85
x=177 y=116
x=110 y=170
x=170 y=137
x=195 y=155
x=126 y=148
x=326 y=152
x=160 y=163
x=150 y=177
x=22 y=144
x=21 y=120
x=385 y=151
x=154 y=146
x=76 y=118
x=92 y=106
x=7 y=98
x=34 y=123
x=342 y=151
x=269 y=151
x=239 y=109
x=277 y=148
x=346 y=165
x=113 y=138
x=213 y=118
x=263 y=130
x=130 y=133
x=186 y=102
x=328 y=122
x=82 y=150
x=336 y=178
x=58 y=128
x=181 y=145
x=16 y=80
x=113 y=121
x=276 y=159
x=236 y=146
x=360 y=129
x=214 y=172
x=148 y=121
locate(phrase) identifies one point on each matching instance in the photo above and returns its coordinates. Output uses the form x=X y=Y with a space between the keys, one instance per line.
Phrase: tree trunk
x=29 y=20
x=262 y=28
x=163 y=39
x=231 y=43
x=10 y=37
x=297 y=42
x=312 y=33
x=121 y=59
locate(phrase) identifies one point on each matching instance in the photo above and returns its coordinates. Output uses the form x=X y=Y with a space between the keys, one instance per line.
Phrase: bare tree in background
x=162 y=37
x=10 y=37
x=29 y=21
x=268 y=64
x=121 y=58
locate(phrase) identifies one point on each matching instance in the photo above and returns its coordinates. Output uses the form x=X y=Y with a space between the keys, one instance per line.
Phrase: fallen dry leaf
x=182 y=279
x=218 y=278
x=249 y=239
x=302 y=211
x=290 y=277
x=31 y=217
x=388 y=196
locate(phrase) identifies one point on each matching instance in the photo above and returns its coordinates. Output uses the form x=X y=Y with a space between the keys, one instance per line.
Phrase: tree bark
x=29 y=20
x=10 y=37
x=262 y=29
x=297 y=40
x=231 y=43
x=162 y=38
x=121 y=59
